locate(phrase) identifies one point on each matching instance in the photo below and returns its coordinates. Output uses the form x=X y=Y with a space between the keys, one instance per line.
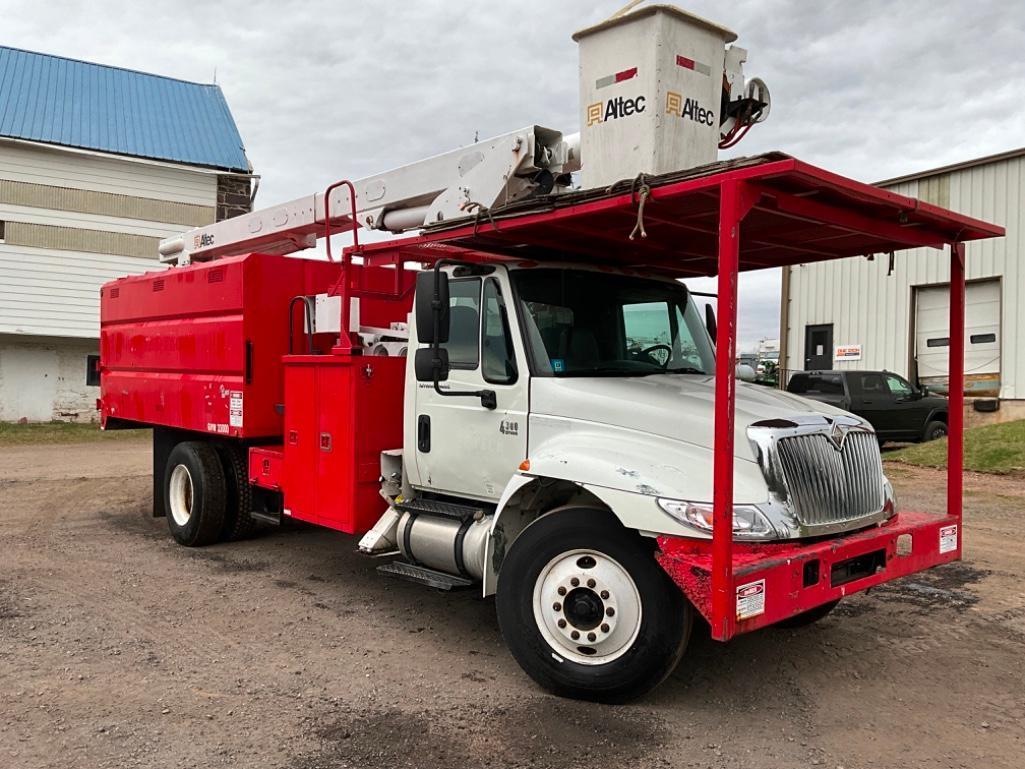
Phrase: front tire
x=934 y=431
x=195 y=493
x=586 y=610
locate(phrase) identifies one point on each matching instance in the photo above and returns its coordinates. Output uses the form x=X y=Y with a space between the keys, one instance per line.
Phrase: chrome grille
x=827 y=486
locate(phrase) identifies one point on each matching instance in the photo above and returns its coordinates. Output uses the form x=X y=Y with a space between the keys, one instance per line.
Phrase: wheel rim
x=181 y=495
x=587 y=607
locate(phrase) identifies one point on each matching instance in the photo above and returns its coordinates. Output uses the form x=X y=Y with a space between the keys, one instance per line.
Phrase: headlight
x=748 y=520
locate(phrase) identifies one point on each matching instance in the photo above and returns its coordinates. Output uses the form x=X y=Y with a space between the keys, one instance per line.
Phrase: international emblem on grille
x=838 y=434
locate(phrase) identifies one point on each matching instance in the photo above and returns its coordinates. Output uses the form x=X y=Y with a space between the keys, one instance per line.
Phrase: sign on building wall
x=847 y=352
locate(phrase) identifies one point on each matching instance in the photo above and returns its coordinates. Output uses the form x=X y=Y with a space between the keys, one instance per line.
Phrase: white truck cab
x=602 y=379
x=557 y=402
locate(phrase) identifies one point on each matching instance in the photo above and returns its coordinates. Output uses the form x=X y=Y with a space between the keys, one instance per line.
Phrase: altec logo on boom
x=600 y=112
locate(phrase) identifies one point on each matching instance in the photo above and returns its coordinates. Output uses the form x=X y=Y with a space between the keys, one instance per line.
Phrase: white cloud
x=323 y=90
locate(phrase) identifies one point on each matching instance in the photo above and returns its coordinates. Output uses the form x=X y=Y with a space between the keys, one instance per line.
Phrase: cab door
x=462 y=447
x=909 y=411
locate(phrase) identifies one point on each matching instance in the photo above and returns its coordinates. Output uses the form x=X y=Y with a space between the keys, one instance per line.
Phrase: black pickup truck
x=897 y=410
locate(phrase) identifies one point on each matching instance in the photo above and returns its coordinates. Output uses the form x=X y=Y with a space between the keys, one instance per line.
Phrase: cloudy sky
x=325 y=89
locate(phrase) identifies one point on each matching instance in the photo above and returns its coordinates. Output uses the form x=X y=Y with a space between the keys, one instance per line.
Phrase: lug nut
x=561 y=591
x=610 y=611
x=605 y=628
x=604 y=595
x=590 y=583
x=592 y=637
x=557 y=606
x=574 y=635
x=574 y=582
x=562 y=623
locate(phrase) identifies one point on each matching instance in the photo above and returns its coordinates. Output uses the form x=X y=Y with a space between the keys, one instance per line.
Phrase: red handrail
x=344 y=340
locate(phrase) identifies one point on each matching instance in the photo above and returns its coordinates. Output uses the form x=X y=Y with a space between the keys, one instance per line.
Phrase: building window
x=92 y=370
x=2 y=223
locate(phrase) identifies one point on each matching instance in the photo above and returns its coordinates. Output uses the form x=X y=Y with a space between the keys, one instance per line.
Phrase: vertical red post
x=723 y=597
x=955 y=394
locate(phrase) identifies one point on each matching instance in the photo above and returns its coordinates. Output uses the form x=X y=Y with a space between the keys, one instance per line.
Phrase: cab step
x=423 y=576
x=439 y=507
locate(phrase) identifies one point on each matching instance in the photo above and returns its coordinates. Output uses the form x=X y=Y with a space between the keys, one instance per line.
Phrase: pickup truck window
x=898 y=386
x=867 y=383
x=816 y=384
x=582 y=323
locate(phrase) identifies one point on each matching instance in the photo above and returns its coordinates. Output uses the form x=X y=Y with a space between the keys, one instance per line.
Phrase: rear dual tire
x=206 y=494
x=562 y=576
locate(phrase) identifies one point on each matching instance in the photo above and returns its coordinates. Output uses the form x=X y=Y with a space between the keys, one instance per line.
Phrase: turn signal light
x=525 y=465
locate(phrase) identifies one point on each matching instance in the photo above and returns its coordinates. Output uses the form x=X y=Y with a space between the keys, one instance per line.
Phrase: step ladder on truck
x=565 y=432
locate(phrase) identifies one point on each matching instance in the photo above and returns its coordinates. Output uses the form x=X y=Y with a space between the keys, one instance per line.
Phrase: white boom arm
x=448 y=186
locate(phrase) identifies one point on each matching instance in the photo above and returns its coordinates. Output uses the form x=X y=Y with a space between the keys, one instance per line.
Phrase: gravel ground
x=120 y=649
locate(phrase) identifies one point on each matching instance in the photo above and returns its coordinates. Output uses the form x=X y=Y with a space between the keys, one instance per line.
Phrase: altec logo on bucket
x=621 y=106
x=688 y=109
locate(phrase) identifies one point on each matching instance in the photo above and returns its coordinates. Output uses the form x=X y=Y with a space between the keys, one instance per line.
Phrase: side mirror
x=710 y=322
x=432 y=307
x=430 y=363
x=922 y=391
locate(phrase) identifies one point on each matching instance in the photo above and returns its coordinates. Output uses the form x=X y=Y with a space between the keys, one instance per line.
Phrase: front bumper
x=775 y=581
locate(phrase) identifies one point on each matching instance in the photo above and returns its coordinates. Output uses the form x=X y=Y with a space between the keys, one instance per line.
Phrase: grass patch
x=62 y=432
x=990 y=449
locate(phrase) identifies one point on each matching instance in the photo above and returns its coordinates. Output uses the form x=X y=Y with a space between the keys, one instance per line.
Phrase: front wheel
x=934 y=431
x=586 y=610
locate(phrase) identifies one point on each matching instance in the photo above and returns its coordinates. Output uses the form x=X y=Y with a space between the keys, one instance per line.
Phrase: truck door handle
x=423 y=434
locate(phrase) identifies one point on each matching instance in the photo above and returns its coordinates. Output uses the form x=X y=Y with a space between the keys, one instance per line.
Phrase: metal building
x=879 y=312
x=97 y=164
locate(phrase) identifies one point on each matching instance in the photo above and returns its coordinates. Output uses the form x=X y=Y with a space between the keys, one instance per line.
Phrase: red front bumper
x=775 y=581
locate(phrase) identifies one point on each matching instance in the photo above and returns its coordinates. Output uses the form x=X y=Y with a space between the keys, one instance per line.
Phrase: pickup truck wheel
x=809 y=617
x=934 y=431
x=194 y=493
x=586 y=610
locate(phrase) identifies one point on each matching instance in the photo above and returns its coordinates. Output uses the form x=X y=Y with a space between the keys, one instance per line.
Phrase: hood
x=675 y=406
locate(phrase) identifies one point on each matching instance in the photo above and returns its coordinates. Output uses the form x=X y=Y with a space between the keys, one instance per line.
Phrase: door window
x=898 y=386
x=867 y=383
x=498 y=360
x=464 y=323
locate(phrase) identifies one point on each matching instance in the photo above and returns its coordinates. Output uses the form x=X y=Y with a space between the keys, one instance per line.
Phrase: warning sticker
x=235 y=408
x=948 y=539
x=751 y=599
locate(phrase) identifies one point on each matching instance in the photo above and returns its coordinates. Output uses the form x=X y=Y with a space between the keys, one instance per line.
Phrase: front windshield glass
x=581 y=323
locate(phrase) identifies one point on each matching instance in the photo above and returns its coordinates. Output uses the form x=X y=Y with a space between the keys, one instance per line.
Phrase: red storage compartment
x=200 y=347
x=341 y=412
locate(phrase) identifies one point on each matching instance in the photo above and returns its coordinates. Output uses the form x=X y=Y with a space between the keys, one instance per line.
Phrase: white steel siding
x=48 y=291
x=40 y=165
x=868 y=307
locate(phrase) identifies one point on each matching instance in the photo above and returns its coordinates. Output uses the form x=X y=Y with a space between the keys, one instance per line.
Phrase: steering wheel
x=661 y=360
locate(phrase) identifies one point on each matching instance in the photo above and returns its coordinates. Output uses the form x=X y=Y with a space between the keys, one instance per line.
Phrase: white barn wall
x=49 y=296
x=868 y=307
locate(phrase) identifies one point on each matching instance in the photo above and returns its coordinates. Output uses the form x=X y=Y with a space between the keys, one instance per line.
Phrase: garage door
x=982 y=337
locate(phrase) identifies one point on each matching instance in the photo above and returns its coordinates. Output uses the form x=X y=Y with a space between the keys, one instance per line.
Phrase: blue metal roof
x=74 y=103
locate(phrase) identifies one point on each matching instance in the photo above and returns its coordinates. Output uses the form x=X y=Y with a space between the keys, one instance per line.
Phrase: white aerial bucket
x=651 y=84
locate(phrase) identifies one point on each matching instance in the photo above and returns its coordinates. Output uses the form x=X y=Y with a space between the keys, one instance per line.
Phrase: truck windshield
x=581 y=323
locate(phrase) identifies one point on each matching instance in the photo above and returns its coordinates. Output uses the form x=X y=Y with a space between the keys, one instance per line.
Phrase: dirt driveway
x=119 y=649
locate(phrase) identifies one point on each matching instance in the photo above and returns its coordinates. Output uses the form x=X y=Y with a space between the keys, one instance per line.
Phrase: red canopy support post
x=955 y=384
x=735 y=200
